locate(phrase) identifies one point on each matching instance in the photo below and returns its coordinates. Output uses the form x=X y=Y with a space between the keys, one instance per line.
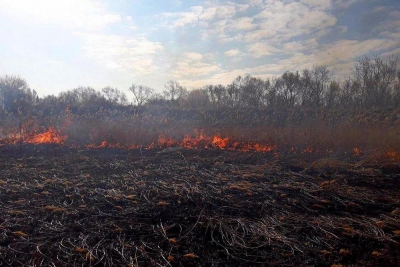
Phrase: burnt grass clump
x=64 y=206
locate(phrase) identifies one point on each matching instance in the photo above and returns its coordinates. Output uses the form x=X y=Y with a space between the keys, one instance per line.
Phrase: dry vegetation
x=331 y=132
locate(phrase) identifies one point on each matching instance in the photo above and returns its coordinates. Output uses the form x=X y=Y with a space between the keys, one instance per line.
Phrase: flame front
x=52 y=136
x=220 y=142
x=199 y=141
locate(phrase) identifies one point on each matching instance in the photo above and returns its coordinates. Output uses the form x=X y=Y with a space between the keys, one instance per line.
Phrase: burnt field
x=65 y=206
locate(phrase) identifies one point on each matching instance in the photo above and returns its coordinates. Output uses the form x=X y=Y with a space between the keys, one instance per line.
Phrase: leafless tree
x=82 y=96
x=175 y=92
x=114 y=96
x=375 y=79
x=217 y=94
x=289 y=87
x=332 y=97
x=141 y=93
x=314 y=83
x=198 y=98
x=234 y=92
x=252 y=91
x=15 y=94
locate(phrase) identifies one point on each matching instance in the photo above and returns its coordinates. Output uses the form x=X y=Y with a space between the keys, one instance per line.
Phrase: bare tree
x=314 y=83
x=15 y=94
x=234 y=92
x=198 y=98
x=396 y=92
x=171 y=90
x=216 y=93
x=175 y=92
x=375 y=79
x=332 y=97
x=114 y=96
x=141 y=93
x=271 y=94
x=289 y=87
x=84 y=97
x=253 y=91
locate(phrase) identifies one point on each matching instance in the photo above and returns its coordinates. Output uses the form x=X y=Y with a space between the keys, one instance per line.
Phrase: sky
x=58 y=45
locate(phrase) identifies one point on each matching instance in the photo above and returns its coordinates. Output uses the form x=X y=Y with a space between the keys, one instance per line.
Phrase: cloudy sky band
x=59 y=45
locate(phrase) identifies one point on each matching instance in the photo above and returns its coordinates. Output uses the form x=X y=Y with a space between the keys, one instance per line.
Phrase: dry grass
x=300 y=133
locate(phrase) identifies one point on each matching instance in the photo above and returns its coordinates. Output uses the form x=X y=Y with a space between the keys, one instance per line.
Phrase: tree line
x=374 y=84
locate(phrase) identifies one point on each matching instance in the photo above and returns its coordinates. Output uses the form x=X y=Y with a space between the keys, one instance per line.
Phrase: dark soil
x=63 y=206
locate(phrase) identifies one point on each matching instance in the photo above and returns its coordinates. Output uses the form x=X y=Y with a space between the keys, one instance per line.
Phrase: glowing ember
x=308 y=150
x=356 y=151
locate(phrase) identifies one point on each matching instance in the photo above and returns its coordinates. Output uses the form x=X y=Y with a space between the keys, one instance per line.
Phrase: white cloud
x=75 y=14
x=232 y=53
x=192 y=56
x=185 y=69
x=222 y=11
x=282 y=21
x=180 y=19
x=260 y=49
x=338 y=56
x=351 y=49
x=344 y=3
x=226 y=77
x=192 y=64
x=318 y=4
x=222 y=77
x=121 y=53
x=292 y=47
x=207 y=13
x=245 y=23
x=255 y=2
x=392 y=35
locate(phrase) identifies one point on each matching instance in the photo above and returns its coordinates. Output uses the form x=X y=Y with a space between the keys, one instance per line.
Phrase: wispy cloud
x=260 y=49
x=181 y=19
x=232 y=53
x=280 y=22
x=204 y=14
x=121 y=53
x=194 y=42
x=76 y=14
x=192 y=65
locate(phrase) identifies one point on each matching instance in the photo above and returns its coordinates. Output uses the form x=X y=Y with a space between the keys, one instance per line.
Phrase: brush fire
x=199 y=141
x=218 y=197
x=249 y=174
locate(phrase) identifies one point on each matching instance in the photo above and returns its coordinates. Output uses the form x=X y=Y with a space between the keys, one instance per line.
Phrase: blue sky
x=57 y=45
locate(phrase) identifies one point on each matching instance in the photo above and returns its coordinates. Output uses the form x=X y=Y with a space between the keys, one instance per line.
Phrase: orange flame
x=220 y=142
x=52 y=136
x=356 y=151
x=199 y=141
